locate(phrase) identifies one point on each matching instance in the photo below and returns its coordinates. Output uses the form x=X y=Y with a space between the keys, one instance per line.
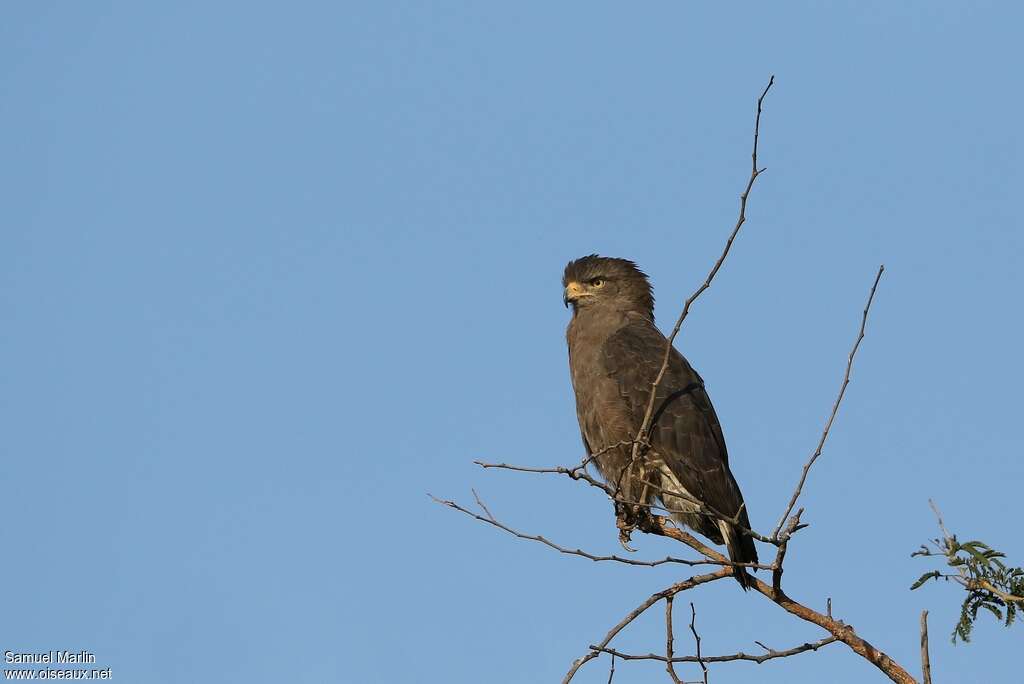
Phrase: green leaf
x=935 y=574
x=992 y=609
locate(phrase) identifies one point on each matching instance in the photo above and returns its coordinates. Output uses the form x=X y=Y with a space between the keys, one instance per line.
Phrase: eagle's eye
x=597 y=282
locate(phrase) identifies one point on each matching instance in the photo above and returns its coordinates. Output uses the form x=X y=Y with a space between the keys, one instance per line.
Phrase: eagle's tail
x=741 y=550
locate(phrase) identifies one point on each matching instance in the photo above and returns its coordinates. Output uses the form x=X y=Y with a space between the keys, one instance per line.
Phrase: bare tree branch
x=696 y=638
x=482 y=505
x=835 y=407
x=575 y=473
x=938 y=516
x=780 y=555
x=741 y=656
x=841 y=631
x=669 y=667
x=694 y=581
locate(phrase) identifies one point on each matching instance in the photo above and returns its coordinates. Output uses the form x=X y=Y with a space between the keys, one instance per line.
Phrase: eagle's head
x=607 y=283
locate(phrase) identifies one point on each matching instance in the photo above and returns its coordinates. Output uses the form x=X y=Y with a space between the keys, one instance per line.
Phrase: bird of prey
x=615 y=353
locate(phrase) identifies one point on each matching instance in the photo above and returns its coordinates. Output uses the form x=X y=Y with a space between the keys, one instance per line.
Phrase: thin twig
x=926 y=664
x=483 y=506
x=741 y=219
x=574 y=473
x=696 y=638
x=938 y=516
x=835 y=408
x=669 y=667
x=780 y=555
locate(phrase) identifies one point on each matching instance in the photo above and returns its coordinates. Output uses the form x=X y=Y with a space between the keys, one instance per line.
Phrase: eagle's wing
x=686 y=433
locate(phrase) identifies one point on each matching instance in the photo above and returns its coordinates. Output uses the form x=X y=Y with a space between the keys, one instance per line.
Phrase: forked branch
x=770 y=654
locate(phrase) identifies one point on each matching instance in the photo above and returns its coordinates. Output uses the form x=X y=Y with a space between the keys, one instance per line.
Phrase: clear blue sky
x=270 y=274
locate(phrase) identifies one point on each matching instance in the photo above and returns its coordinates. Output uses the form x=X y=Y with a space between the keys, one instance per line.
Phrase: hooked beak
x=573 y=291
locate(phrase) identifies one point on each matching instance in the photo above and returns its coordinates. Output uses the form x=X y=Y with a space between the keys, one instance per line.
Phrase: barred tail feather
x=741 y=550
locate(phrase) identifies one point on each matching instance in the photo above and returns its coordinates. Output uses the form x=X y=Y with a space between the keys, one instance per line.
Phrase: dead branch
x=696 y=638
x=835 y=408
x=780 y=555
x=676 y=588
x=669 y=667
x=841 y=631
x=938 y=516
x=575 y=473
x=771 y=654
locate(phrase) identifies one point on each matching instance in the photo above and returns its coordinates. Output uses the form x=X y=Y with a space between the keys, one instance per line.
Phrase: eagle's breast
x=604 y=415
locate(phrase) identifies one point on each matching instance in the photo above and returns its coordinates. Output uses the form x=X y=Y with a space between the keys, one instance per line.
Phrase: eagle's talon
x=624 y=522
x=624 y=539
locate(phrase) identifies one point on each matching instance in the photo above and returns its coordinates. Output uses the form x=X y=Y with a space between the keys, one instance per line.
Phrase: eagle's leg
x=624 y=508
x=641 y=506
x=631 y=512
x=629 y=517
x=624 y=521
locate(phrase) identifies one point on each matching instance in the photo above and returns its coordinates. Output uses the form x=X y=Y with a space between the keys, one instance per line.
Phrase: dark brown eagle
x=615 y=353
